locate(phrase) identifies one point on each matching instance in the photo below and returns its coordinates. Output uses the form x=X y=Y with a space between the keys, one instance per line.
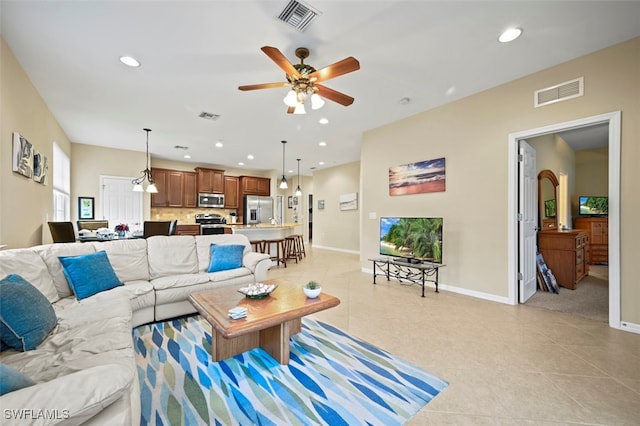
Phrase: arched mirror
x=547 y=200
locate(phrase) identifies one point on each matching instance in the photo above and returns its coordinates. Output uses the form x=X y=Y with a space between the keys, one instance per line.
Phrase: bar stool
x=258 y=245
x=301 y=250
x=291 y=248
x=280 y=250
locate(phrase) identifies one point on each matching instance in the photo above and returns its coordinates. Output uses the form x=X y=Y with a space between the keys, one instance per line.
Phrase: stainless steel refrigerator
x=257 y=209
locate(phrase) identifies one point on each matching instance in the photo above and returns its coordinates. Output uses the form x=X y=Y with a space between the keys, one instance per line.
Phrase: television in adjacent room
x=416 y=239
x=593 y=206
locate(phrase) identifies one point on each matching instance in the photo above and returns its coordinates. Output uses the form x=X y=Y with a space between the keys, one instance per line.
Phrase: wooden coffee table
x=269 y=322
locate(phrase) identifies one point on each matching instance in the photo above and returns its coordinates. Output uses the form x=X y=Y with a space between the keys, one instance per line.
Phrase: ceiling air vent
x=561 y=92
x=298 y=15
x=209 y=116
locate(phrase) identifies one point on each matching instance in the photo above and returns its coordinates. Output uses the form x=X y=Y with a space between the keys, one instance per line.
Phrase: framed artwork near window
x=86 y=208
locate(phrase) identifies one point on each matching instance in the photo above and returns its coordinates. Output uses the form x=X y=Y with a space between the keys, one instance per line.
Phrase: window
x=61 y=185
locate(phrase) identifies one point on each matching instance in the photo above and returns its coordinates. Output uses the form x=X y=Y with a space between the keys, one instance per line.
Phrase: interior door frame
x=614 y=121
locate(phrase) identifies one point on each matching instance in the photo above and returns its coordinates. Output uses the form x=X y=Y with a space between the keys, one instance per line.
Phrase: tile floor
x=506 y=365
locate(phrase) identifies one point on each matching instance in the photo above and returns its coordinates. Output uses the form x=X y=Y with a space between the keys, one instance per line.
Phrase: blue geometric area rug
x=332 y=379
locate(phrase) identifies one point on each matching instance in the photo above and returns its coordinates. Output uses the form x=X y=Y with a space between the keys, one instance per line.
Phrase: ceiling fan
x=303 y=80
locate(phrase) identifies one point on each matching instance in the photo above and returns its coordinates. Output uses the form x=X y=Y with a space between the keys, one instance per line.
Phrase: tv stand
x=410 y=271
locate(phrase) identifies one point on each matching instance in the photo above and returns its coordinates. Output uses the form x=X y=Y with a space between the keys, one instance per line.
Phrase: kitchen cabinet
x=231 y=192
x=253 y=185
x=210 y=181
x=175 y=188
x=190 y=193
x=598 y=230
x=188 y=230
x=566 y=253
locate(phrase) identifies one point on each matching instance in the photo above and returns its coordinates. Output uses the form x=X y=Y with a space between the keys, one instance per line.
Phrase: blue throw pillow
x=89 y=274
x=26 y=316
x=225 y=256
x=12 y=380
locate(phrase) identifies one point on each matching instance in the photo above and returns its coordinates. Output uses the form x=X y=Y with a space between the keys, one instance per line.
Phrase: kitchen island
x=265 y=231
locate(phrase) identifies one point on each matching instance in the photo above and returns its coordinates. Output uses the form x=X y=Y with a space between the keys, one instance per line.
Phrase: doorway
x=119 y=203
x=613 y=119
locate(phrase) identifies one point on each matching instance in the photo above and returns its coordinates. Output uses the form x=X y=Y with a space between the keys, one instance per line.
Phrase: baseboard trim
x=335 y=249
x=459 y=290
x=629 y=326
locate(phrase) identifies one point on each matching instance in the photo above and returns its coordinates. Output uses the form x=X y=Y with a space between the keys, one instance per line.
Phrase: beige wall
x=89 y=162
x=472 y=134
x=333 y=228
x=25 y=206
x=592 y=173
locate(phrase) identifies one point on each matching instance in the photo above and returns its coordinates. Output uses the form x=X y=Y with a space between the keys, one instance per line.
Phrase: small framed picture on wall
x=290 y=202
x=86 y=209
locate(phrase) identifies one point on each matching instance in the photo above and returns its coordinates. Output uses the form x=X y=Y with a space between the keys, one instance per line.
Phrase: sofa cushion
x=26 y=316
x=171 y=255
x=225 y=257
x=89 y=274
x=128 y=258
x=49 y=253
x=30 y=266
x=203 y=246
x=185 y=280
x=12 y=380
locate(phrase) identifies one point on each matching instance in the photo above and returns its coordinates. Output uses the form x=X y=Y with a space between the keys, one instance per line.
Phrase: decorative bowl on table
x=257 y=290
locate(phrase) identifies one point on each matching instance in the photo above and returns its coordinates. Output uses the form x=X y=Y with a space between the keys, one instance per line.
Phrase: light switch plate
x=373 y=215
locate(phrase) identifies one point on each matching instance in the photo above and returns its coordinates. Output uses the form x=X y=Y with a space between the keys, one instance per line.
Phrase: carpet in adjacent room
x=333 y=378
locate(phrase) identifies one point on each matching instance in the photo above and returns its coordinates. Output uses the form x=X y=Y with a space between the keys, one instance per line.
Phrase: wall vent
x=560 y=92
x=209 y=116
x=298 y=15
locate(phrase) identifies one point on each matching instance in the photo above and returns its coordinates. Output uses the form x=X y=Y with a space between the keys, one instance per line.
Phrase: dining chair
x=151 y=228
x=62 y=232
x=92 y=225
x=173 y=226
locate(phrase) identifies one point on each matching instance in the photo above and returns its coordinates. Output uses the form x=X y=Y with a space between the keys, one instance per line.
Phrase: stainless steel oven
x=210 y=224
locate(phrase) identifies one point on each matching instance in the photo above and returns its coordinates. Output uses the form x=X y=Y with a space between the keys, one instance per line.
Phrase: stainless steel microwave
x=211 y=200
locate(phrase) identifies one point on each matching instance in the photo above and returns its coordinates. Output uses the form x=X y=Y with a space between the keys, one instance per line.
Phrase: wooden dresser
x=598 y=230
x=566 y=253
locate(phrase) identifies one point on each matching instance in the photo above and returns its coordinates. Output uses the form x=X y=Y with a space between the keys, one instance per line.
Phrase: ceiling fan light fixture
x=299 y=109
x=316 y=101
x=291 y=99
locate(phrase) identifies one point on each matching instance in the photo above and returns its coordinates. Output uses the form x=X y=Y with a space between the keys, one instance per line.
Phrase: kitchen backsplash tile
x=186 y=216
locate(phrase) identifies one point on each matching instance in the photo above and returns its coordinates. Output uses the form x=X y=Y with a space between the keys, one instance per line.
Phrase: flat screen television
x=416 y=239
x=593 y=206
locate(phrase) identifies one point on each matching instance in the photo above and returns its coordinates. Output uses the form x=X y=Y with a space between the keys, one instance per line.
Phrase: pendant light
x=146 y=175
x=283 y=182
x=298 y=190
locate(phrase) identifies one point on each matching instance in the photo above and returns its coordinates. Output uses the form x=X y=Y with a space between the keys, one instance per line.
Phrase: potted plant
x=312 y=289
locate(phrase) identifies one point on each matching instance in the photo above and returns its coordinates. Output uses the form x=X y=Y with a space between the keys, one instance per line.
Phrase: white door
x=528 y=220
x=119 y=203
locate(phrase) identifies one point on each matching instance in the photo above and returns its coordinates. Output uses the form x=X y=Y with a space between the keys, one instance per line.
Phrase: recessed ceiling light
x=219 y=144
x=250 y=157
x=321 y=163
x=187 y=156
x=130 y=61
x=322 y=143
x=240 y=163
x=323 y=120
x=510 y=34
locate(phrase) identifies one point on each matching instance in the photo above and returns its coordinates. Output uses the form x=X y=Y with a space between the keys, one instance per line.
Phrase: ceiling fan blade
x=337 y=69
x=280 y=60
x=264 y=86
x=290 y=110
x=334 y=95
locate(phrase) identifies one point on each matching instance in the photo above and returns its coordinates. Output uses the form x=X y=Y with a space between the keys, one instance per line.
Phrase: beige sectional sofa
x=84 y=369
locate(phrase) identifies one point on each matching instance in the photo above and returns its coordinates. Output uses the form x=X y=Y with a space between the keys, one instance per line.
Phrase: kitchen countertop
x=263 y=226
